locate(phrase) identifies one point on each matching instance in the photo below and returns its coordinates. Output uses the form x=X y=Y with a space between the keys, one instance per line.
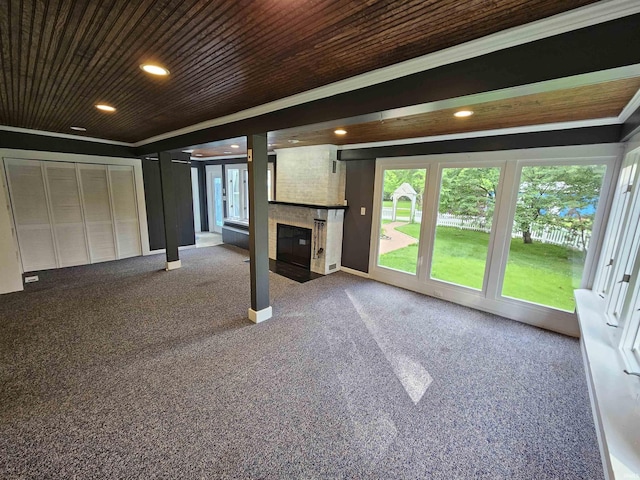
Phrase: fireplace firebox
x=294 y=245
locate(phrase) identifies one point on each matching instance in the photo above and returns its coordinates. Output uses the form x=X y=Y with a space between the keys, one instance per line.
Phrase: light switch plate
x=363 y=210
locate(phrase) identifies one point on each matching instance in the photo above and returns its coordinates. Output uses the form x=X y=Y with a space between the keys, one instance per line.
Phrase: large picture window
x=401 y=216
x=552 y=229
x=465 y=217
x=511 y=232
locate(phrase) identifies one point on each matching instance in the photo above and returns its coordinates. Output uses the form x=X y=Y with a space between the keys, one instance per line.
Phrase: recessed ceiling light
x=228 y=152
x=154 y=69
x=105 y=108
x=293 y=141
x=79 y=129
x=340 y=131
x=463 y=113
x=235 y=146
x=187 y=151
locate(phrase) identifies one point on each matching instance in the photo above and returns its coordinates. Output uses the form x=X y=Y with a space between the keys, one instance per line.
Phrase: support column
x=169 y=209
x=258 y=227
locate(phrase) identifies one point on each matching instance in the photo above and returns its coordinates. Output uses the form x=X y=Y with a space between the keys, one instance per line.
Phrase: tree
x=469 y=191
x=560 y=196
x=414 y=177
x=564 y=196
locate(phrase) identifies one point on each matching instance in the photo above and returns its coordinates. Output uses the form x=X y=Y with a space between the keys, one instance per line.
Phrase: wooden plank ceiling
x=602 y=100
x=61 y=57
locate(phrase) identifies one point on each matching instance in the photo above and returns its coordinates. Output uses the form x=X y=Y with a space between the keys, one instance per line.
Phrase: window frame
x=592 y=257
x=512 y=161
x=621 y=230
x=243 y=168
x=377 y=209
x=627 y=177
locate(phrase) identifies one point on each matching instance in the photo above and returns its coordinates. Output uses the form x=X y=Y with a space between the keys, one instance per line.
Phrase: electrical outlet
x=31 y=279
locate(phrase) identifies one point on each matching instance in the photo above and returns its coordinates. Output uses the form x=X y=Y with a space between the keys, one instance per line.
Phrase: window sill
x=615 y=395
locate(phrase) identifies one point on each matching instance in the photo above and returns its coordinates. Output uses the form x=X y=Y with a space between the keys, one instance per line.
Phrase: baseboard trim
x=357 y=273
x=174 y=265
x=260 y=315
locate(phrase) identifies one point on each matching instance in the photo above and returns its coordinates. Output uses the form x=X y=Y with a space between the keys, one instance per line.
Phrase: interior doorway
x=215 y=192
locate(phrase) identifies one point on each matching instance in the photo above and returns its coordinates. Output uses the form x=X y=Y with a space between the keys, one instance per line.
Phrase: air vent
x=332 y=266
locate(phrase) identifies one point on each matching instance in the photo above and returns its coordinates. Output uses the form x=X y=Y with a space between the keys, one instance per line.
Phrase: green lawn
x=404 y=206
x=401 y=204
x=537 y=272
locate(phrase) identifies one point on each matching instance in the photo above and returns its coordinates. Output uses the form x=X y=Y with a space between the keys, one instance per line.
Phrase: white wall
x=10 y=271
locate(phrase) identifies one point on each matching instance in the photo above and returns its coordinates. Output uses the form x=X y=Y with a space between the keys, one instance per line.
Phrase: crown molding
x=46 y=133
x=558 y=24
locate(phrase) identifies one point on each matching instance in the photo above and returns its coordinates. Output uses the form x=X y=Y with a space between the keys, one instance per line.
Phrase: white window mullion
x=428 y=224
x=510 y=190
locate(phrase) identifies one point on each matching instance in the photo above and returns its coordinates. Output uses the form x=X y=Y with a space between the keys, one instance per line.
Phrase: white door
x=125 y=211
x=215 y=206
x=72 y=214
x=31 y=214
x=94 y=185
x=63 y=192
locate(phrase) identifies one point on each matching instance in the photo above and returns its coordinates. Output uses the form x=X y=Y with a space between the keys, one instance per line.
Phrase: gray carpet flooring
x=122 y=370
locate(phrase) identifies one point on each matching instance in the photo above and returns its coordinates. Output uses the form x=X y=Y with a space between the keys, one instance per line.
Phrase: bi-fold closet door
x=72 y=214
x=63 y=193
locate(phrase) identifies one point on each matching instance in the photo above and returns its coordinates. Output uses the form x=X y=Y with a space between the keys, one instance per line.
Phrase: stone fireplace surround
x=310 y=186
x=300 y=215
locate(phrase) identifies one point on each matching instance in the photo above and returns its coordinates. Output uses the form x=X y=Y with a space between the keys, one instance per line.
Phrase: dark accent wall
x=361 y=174
x=357 y=228
x=153 y=200
x=202 y=194
x=28 y=141
x=631 y=126
x=590 y=49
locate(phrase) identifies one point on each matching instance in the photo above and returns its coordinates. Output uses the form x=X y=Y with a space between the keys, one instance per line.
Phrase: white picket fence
x=543 y=234
x=478 y=224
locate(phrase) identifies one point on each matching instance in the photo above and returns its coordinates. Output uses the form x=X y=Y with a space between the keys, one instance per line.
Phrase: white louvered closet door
x=94 y=185
x=31 y=214
x=125 y=210
x=66 y=213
